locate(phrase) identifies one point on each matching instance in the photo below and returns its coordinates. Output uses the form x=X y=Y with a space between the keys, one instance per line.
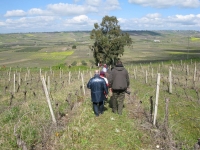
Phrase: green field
x=32 y=48
x=43 y=49
x=24 y=113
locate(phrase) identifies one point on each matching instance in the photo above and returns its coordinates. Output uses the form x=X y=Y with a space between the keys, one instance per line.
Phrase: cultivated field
x=26 y=122
x=38 y=49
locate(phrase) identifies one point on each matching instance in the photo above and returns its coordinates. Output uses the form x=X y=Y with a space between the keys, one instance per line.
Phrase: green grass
x=108 y=131
x=183 y=109
x=78 y=128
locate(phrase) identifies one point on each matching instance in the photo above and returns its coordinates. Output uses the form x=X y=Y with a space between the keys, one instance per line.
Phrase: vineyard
x=158 y=114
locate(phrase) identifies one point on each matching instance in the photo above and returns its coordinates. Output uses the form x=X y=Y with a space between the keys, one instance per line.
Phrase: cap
x=102 y=73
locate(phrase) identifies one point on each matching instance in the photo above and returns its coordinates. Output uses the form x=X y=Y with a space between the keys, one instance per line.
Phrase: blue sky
x=72 y=15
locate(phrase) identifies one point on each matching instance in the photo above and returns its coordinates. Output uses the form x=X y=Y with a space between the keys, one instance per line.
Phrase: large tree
x=109 y=41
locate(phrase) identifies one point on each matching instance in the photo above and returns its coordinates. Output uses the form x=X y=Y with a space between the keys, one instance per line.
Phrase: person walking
x=119 y=82
x=99 y=91
x=104 y=69
x=102 y=75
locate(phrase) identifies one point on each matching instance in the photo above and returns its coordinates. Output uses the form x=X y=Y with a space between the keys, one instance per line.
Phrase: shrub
x=92 y=61
x=74 y=63
x=74 y=47
x=84 y=63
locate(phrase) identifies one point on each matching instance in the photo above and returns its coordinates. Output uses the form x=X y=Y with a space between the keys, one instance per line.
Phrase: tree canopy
x=109 y=41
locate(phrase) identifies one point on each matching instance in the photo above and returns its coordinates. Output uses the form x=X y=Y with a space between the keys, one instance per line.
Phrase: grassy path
x=108 y=131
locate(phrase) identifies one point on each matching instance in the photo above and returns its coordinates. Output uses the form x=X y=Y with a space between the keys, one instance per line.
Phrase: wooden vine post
x=79 y=74
x=48 y=99
x=40 y=72
x=90 y=74
x=25 y=77
x=135 y=73
x=187 y=71
x=166 y=113
x=83 y=84
x=45 y=76
x=9 y=76
x=146 y=76
x=195 y=72
x=28 y=73
x=60 y=74
x=157 y=95
x=170 y=80
x=48 y=83
x=14 y=85
x=69 y=81
x=19 y=78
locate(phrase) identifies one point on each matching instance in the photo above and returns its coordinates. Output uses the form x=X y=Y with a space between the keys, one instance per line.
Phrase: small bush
x=92 y=61
x=84 y=63
x=74 y=63
x=74 y=47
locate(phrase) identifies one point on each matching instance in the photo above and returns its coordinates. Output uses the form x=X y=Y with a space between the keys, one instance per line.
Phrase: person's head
x=119 y=62
x=105 y=65
x=102 y=73
x=96 y=72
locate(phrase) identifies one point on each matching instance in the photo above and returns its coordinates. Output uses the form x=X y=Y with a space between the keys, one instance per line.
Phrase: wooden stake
x=170 y=80
x=14 y=85
x=48 y=100
x=157 y=95
x=83 y=84
x=69 y=77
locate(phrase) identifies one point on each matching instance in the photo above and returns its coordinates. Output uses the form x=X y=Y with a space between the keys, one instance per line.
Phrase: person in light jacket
x=99 y=91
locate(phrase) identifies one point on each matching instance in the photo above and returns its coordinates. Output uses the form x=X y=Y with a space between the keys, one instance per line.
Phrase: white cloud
x=37 y=11
x=167 y=3
x=183 y=20
x=70 y=9
x=101 y=7
x=2 y=23
x=95 y=3
x=112 y=2
x=80 y=20
x=191 y=3
x=122 y=20
x=112 y=5
x=76 y=1
x=29 y=24
x=15 y=13
x=156 y=22
x=155 y=15
x=53 y=18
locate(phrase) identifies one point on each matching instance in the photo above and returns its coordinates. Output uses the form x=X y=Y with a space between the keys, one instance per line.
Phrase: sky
x=22 y=16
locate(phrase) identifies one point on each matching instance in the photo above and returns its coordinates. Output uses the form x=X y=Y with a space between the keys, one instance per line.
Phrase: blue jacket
x=98 y=88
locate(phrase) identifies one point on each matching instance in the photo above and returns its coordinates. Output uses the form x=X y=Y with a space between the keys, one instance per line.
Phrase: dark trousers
x=98 y=108
x=118 y=101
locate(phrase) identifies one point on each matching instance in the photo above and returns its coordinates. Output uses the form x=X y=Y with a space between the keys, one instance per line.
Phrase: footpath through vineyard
x=108 y=131
x=26 y=121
